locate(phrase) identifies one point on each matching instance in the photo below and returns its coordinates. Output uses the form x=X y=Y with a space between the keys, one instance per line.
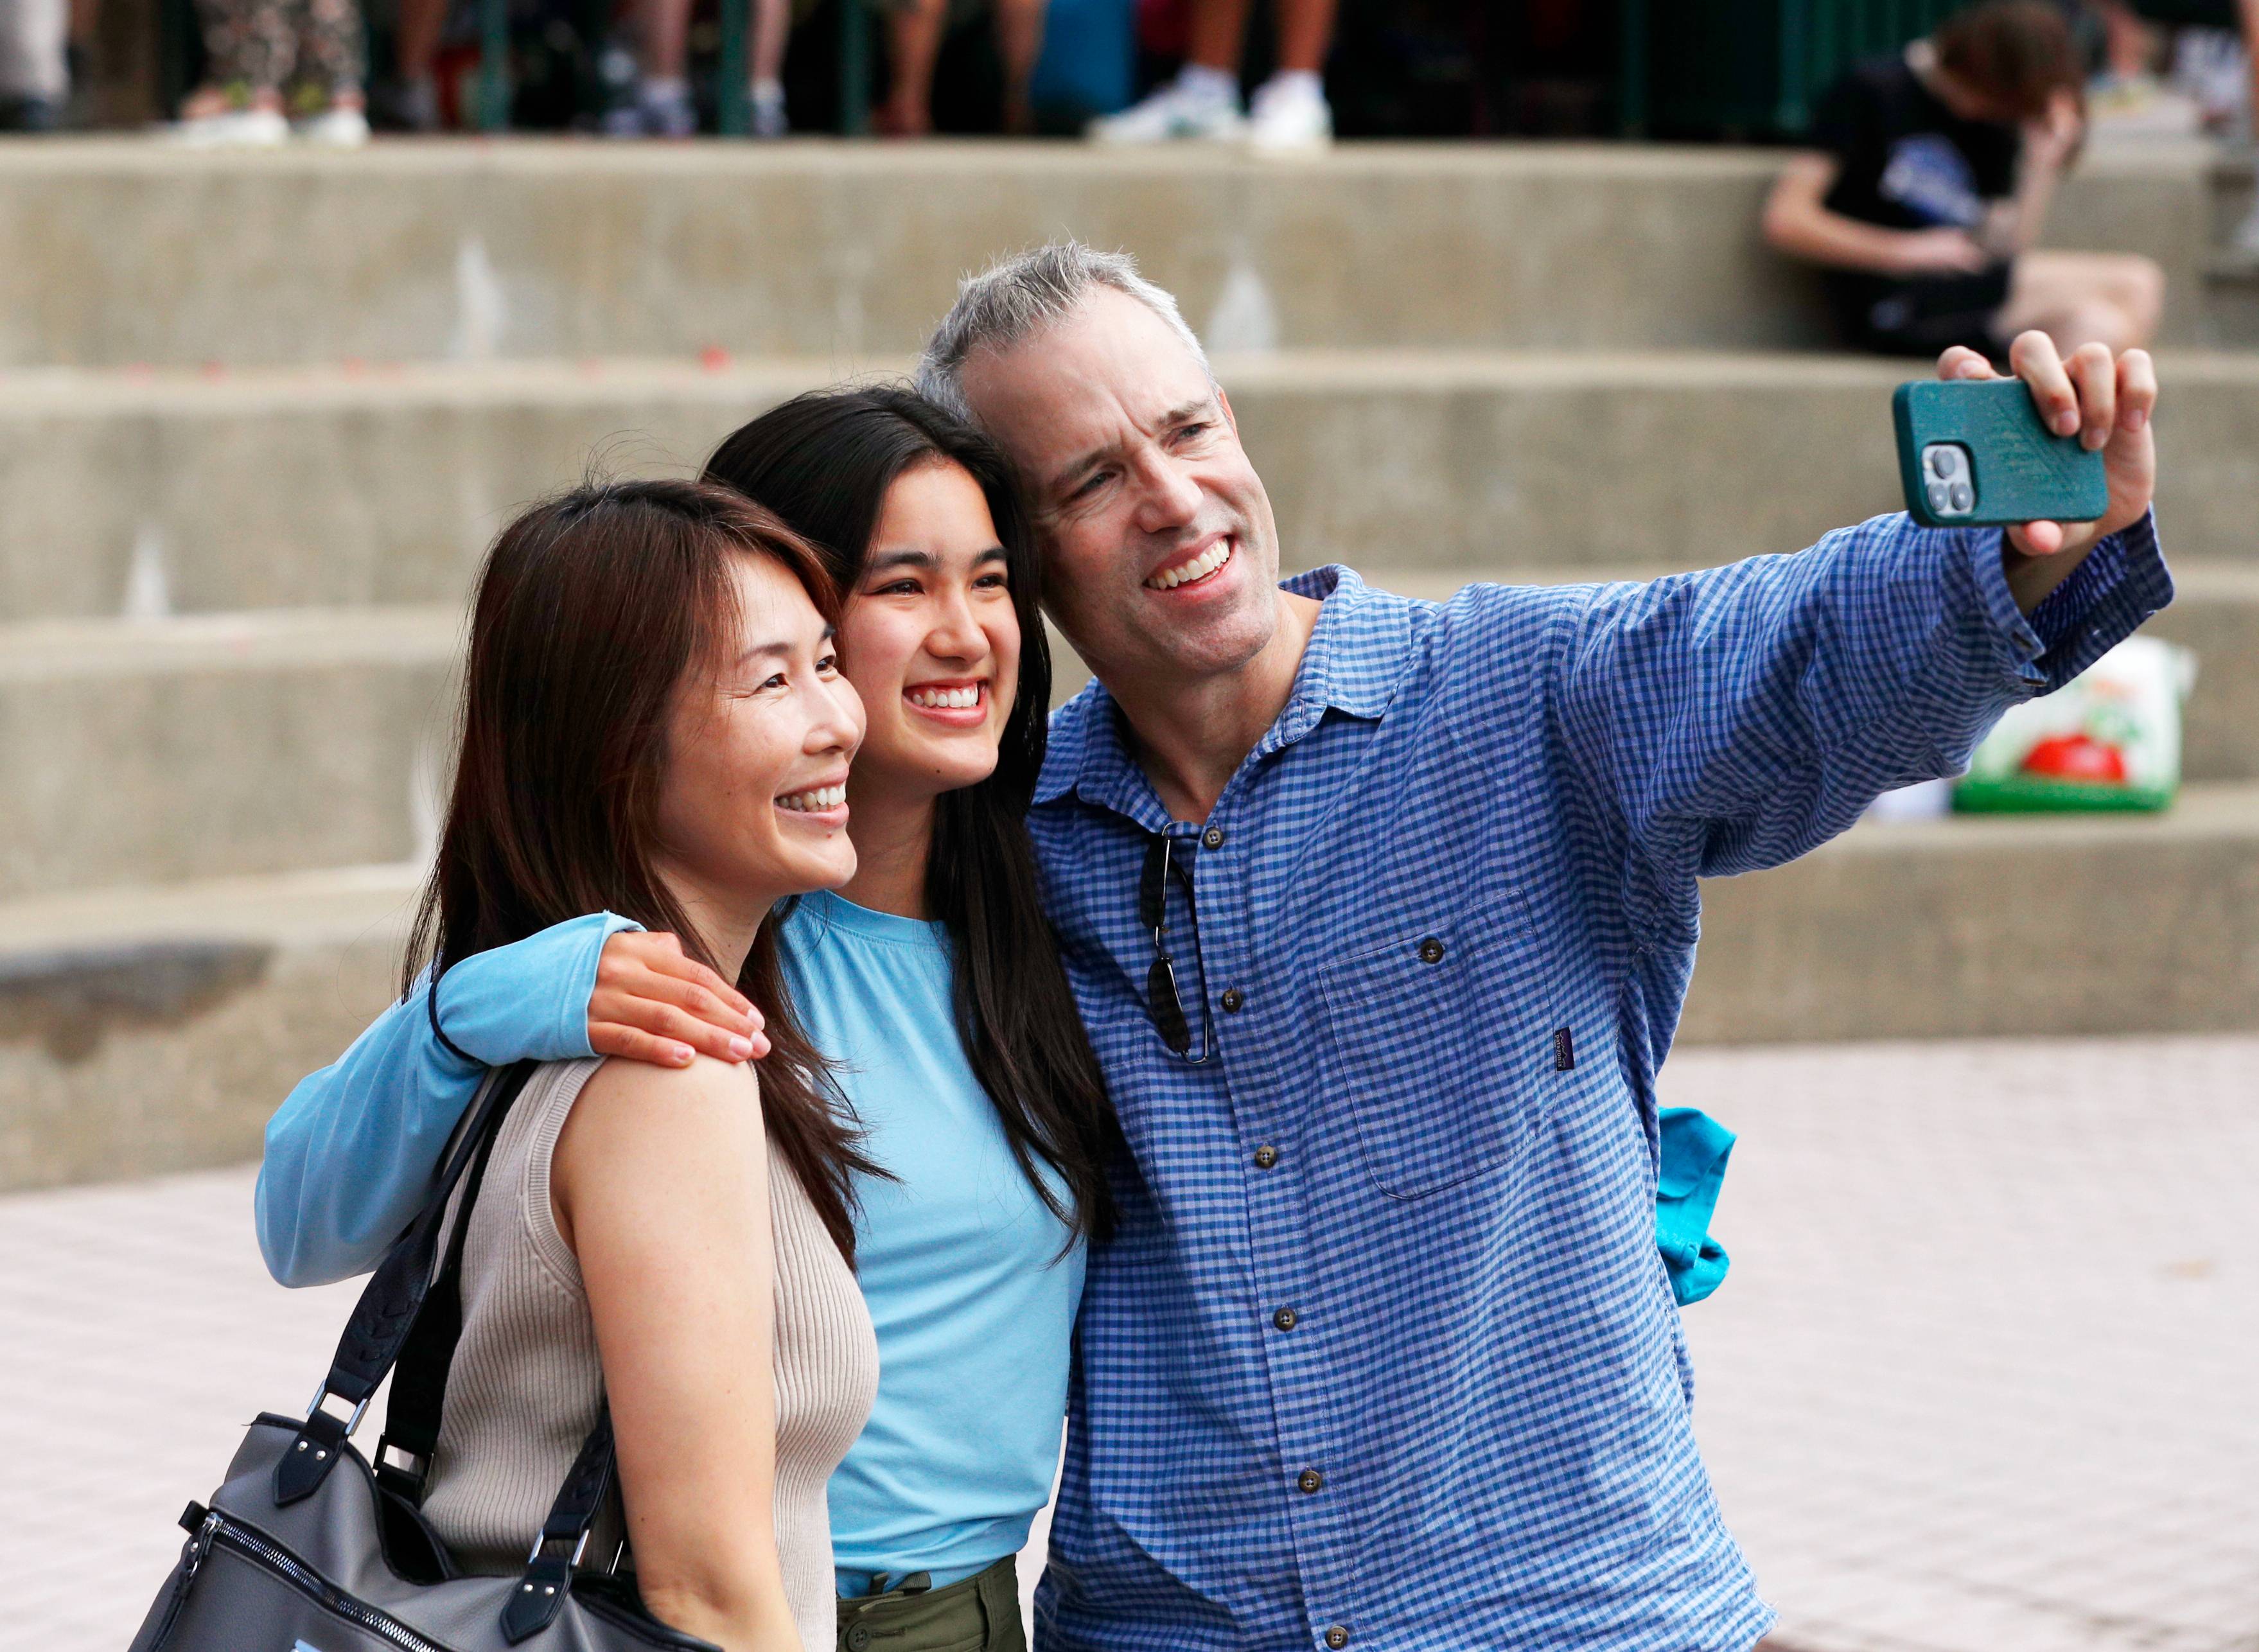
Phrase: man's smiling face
x=1161 y=552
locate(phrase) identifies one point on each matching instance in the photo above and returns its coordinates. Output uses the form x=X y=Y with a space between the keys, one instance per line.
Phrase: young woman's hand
x=652 y=1003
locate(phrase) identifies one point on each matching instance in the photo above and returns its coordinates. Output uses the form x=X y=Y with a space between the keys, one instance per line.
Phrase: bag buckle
x=543 y=1541
x=351 y=1423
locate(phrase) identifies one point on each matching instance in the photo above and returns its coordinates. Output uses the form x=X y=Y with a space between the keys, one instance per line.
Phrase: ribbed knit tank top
x=526 y=1384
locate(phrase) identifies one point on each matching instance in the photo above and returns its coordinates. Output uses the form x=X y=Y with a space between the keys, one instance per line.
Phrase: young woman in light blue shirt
x=932 y=981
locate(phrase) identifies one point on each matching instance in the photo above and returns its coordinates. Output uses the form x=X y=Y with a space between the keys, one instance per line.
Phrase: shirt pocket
x=1435 y=1033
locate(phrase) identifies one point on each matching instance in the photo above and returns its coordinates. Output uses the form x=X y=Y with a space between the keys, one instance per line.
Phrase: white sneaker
x=334 y=129
x=766 y=103
x=1288 y=117
x=1170 y=113
x=237 y=128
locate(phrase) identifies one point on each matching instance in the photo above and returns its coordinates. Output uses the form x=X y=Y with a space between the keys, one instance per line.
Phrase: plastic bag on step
x=2108 y=739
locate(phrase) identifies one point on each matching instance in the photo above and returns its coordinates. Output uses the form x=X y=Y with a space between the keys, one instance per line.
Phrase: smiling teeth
x=946 y=699
x=1199 y=568
x=814 y=802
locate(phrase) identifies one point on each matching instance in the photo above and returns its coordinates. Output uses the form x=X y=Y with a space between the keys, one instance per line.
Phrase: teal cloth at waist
x=1695 y=1149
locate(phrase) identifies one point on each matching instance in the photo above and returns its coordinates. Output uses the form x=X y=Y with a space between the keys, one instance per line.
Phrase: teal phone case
x=2011 y=468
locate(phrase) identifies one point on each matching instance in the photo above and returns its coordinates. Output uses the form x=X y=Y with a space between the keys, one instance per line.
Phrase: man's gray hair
x=1020 y=296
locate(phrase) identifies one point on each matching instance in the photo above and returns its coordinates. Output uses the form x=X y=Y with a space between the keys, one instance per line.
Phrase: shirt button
x=1212 y=838
x=1234 y=1000
x=1286 y=1319
x=1309 y=1479
x=858 y=1638
x=1337 y=1637
x=1431 y=951
x=1266 y=1158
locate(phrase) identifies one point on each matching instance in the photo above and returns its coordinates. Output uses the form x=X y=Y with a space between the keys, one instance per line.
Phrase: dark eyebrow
x=887 y=560
x=1174 y=417
x=780 y=650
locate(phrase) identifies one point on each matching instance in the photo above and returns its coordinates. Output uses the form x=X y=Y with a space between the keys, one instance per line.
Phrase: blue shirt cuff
x=2119 y=584
x=481 y=1002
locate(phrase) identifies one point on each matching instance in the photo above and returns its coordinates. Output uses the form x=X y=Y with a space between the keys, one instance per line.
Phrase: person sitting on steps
x=1929 y=182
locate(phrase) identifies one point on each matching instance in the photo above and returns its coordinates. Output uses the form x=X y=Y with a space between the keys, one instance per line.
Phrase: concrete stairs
x=259 y=415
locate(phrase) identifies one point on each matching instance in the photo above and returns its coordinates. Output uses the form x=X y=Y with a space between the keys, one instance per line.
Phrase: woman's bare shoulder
x=637 y=1123
x=705 y=1083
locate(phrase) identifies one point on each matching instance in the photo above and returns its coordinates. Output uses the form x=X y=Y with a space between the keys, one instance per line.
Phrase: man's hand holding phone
x=2107 y=402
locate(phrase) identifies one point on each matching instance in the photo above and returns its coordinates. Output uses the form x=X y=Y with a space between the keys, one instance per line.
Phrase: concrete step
x=558 y=248
x=161 y=751
x=1980 y=925
x=286 y=486
x=156 y=1029
x=169 y=751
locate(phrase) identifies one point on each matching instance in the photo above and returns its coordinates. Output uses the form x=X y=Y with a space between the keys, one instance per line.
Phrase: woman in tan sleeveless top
x=655 y=726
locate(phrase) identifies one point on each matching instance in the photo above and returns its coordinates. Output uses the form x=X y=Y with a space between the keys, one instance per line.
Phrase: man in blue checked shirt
x=1381 y=914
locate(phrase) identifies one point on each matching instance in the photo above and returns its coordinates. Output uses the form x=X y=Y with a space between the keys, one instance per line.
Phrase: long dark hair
x=592 y=608
x=824 y=462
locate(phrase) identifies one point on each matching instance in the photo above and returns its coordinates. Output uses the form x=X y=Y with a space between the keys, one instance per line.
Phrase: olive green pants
x=976 y=1614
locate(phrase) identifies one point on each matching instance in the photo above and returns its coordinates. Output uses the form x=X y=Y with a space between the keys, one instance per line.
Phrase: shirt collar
x=1355 y=658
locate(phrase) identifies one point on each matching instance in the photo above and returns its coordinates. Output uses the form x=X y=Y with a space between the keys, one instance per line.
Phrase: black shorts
x=2209 y=14
x=1924 y=316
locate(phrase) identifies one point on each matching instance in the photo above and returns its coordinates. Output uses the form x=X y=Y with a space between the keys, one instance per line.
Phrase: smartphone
x=1973 y=453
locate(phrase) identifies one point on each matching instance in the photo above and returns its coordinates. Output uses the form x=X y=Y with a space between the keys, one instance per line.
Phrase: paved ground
x=1983 y=1379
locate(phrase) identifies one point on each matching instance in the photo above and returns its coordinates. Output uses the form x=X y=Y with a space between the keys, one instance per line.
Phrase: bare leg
x=2126 y=40
x=1019 y=43
x=917 y=28
x=666 y=37
x=2076 y=298
x=772 y=25
x=1219 y=33
x=1306 y=33
x=417 y=45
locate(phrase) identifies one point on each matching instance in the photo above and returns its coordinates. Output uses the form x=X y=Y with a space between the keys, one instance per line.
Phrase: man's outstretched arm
x=1736 y=718
x=350 y=1155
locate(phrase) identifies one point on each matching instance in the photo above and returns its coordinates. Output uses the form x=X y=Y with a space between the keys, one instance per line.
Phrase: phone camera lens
x=1963 y=499
x=1940 y=497
x=1942 y=461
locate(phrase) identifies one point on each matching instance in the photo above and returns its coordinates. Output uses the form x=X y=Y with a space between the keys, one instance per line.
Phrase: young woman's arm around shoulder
x=660 y=1185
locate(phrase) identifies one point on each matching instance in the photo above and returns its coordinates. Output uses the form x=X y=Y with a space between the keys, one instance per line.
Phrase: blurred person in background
x=1931 y=181
x=34 y=67
x=2215 y=53
x=258 y=54
x=663 y=107
x=917 y=30
x=408 y=101
x=1288 y=112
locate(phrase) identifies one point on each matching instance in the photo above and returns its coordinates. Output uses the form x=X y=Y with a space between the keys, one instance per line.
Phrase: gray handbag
x=307 y=1548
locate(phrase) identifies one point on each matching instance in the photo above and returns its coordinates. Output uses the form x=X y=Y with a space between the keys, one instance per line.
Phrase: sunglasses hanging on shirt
x=1162 y=1000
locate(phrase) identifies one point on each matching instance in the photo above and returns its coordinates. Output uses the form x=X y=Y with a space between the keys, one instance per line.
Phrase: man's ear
x=1229 y=417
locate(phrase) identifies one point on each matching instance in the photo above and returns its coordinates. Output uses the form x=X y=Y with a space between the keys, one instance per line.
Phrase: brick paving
x=1982 y=1380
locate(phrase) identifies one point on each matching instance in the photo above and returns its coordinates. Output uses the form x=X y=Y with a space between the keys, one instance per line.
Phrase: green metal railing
x=1750 y=68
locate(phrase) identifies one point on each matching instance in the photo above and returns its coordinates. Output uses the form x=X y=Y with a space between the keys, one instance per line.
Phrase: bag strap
x=419 y=1377
x=541 y=1592
x=390 y=1304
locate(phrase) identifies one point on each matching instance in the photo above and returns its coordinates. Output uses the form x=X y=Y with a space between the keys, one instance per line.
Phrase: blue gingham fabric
x=1452 y=894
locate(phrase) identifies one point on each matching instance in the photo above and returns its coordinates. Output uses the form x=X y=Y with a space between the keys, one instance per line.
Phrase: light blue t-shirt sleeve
x=1695 y=1149
x=351 y=1154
